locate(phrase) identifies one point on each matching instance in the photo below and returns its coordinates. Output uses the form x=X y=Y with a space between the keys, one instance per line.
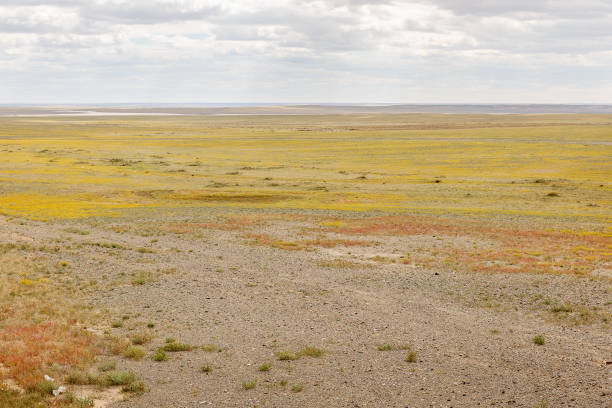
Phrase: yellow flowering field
x=504 y=165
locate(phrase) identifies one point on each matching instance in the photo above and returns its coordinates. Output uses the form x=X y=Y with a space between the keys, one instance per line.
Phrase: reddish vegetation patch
x=401 y=225
x=27 y=352
x=508 y=249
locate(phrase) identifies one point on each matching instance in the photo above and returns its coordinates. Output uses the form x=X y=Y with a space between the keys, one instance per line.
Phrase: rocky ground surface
x=252 y=302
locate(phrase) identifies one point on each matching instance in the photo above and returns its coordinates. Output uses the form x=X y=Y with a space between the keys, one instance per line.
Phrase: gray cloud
x=564 y=8
x=148 y=12
x=302 y=50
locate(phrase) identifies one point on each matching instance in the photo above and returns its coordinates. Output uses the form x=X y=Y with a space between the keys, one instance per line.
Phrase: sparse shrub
x=411 y=357
x=43 y=388
x=70 y=398
x=116 y=324
x=77 y=378
x=114 y=378
x=310 y=351
x=141 y=279
x=561 y=308
x=140 y=338
x=385 y=347
x=84 y=402
x=206 y=368
x=119 y=345
x=137 y=387
x=286 y=356
x=249 y=385
x=297 y=388
x=134 y=353
x=174 y=347
x=539 y=340
x=265 y=367
x=107 y=366
x=209 y=348
x=160 y=355
x=542 y=404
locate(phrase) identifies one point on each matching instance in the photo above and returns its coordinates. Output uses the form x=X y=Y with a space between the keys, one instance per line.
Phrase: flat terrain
x=363 y=260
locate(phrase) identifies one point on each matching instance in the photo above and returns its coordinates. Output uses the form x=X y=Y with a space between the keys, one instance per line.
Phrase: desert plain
x=313 y=260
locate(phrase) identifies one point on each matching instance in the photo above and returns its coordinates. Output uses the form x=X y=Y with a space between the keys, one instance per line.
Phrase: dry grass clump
x=135 y=387
x=174 y=346
x=209 y=348
x=308 y=351
x=113 y=378
x=286 y=356
x=81 y=378
x=411 y=357
x=160 y=355
x=105 y=378
x=134 y=353
x=265 y=367
x=142 y=278
x=107 y=366
x=140 y=338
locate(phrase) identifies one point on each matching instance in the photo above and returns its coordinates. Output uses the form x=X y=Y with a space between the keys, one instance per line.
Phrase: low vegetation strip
x=486 y=247
x=43 y=334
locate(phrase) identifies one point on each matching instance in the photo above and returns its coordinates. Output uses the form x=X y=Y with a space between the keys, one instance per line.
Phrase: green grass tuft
x=134 y=353
x=175 y=346
x=265 y=367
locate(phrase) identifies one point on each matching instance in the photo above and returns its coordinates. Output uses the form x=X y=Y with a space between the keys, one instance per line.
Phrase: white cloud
x=305 y=51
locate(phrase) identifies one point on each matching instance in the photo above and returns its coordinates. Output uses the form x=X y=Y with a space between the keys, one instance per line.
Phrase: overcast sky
x=299 y=51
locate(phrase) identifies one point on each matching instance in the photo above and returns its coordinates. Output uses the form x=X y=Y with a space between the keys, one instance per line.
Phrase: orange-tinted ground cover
x=29 y=352
x=499 y=247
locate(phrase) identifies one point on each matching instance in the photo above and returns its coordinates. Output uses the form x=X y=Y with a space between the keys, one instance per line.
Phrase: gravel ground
x=255 y=301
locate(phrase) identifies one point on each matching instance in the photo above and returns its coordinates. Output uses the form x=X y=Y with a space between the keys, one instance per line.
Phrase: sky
x=300 y=51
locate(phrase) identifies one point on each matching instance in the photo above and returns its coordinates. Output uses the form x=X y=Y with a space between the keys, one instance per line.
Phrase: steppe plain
x=346 y=260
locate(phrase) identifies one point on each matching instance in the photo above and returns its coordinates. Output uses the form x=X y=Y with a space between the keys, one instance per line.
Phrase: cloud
x=556 y=8
x=304 y=50
x=148 y=12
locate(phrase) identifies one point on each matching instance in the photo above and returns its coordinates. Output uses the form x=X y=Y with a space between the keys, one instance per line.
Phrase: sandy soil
x=254 y=301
